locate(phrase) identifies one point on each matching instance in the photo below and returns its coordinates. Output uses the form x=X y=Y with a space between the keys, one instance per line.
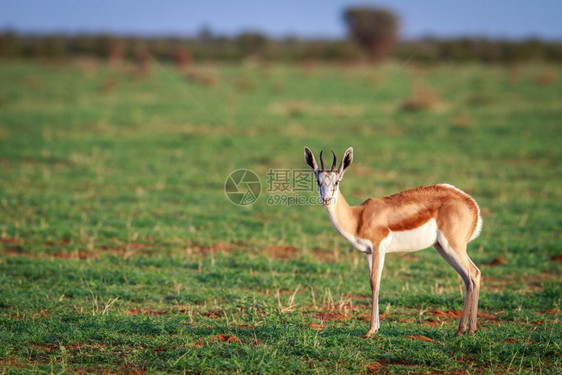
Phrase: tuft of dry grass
x=108 y=84
x=422 y=99
x=201 y=78
x=462 y=121
x=546 y=78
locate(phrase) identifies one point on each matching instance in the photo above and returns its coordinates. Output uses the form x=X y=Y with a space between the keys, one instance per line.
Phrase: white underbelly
x=413 y=240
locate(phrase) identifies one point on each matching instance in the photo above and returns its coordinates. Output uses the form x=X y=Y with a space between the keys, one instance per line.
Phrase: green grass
x=121 y=252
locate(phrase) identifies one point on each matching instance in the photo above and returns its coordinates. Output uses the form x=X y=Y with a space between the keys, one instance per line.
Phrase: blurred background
x=499 y=32
x=120 y=122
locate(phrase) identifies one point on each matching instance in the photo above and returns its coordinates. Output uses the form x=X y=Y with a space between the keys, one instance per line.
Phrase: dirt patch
x=420 y=338
x=422 y=100
x=545 y=78
x=226 y=338
x=73 y=255
x=282 y=252
x=359 y=296
x=432 y=322
x=331 y=316
x=498 y=261
x=374 y=368
x=211 y=249
x=550 y=311
x=140 y=311
x=540 y=322
x=511 y=340
x=135 y=246
x=211 y=314
x=324 y=256
x=453 y=314
x=246 y=326
x=59 y=243
x=14 y=251
x=229 y=339
x=11 y=241
x=488 y=316
x=407 y=320
x=45 y=348
x=367 y=317
x=557 y=258
x=317 y=326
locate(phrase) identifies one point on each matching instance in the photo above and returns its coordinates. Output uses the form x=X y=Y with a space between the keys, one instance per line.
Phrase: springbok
x=441 y=216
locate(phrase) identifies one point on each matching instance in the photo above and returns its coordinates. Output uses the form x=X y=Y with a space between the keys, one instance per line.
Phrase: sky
x=513 y=19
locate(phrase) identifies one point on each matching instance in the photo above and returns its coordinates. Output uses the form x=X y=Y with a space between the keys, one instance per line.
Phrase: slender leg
x=460 y=262
x=375 y=277
x=475 y=275
x=370 y=261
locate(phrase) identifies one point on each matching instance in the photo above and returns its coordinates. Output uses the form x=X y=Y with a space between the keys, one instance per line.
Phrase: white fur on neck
x=360 y=244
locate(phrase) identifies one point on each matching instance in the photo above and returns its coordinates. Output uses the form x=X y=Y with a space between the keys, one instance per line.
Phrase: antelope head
x=328 y=179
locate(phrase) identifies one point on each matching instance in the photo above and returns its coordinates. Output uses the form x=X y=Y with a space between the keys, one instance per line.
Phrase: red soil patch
x=211 y=249
x=60 y=243
x=498 y=261
x=131 y=369
x=245 y=326
x=229 y=339
x=14 y=251
x=135 y=245
x=420 y=338
x=374 y=368
x=422 y=100
x=432 y=322
x=511 y=340
x=282 y=252
x=367 y=317
x=11 y=241
x=408 y=320
x=330 y=316
x=324 y=256
x=353 y=295
x=454 y=314
x=488 y=316
x=550 y=311
x=198 y=344
x=557 y=258
x=73 y=255
x=226 y=338
x=316 y=326
x=212 y=314
x=45 y=348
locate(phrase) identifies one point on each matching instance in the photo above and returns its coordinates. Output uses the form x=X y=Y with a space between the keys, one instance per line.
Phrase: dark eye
x=337 y=182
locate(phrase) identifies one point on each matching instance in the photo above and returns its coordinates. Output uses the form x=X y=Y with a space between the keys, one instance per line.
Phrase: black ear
x=346 y=160
x=309 y=159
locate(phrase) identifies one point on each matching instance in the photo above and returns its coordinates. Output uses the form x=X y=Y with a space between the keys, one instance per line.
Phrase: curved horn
x=334 y=162
x=321 y=160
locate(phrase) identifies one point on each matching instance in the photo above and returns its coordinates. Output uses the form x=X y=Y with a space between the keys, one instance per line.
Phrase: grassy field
x=120 y=251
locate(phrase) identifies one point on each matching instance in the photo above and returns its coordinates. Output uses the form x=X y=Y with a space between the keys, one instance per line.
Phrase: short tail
x=478 y=228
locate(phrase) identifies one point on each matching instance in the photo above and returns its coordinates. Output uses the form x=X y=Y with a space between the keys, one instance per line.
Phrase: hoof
x=471 y=330
x=460 y=331
x=371 y=332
